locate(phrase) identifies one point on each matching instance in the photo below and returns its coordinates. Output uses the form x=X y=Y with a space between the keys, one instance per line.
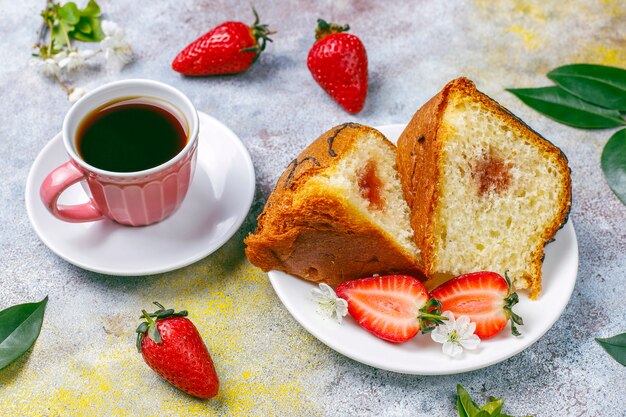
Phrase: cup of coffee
x=132 y=144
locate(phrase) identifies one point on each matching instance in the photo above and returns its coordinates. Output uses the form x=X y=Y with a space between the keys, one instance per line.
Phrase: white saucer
x=422 y=356
x=217 y=203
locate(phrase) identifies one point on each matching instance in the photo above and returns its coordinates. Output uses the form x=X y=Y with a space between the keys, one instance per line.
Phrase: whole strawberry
x=173 y=348
x=229 y=48
x=338 y=63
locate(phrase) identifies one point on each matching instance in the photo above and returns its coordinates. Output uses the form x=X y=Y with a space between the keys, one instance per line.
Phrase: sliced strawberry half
x=392 y=307
x=485 y=297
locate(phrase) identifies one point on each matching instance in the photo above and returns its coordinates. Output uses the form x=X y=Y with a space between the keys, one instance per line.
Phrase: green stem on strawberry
x=149 y=326
x=511 y=299
x=430 y=316
x=324 y=29
x=261 y=33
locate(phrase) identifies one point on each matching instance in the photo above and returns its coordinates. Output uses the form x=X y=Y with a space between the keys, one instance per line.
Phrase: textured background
x=84 y=362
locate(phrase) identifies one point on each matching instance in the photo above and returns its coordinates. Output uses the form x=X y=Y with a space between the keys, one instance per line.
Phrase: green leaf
x=469 y=406
x=598 y=84
x=91 y=10
x=493 y=407
x=19 y=328
x=153 y=333
x=95 y=33
x=69 y=13
x=563 y=107
x=84 y=27
x=613 y=163
x=58 y=38
x=615 y=346
x=482 y=414
x=460 y=409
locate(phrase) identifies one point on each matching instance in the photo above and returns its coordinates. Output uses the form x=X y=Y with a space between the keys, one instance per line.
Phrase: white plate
x=421 y=355
x=217 y=203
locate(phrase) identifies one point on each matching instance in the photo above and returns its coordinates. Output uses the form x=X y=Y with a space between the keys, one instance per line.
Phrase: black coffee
x=130 y=134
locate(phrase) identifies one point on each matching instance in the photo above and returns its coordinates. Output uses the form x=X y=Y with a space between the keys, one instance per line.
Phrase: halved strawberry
x=392 y=307
x=484 y=297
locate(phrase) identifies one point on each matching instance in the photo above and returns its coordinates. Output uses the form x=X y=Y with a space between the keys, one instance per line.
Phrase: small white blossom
x=48 y=67
x=75 y=94
x=74 y=60
x=455 y=334
x=117 y=50
x=329 y=304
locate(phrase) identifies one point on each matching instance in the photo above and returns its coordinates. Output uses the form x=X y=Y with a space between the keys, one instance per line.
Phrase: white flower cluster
x=329 y=305
x=455 y=334
x=116 y=49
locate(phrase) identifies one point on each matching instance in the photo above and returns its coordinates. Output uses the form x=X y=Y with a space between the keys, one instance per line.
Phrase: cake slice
x=337 y=212
x=486 y=192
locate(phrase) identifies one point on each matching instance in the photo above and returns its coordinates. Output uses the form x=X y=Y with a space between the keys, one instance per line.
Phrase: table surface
x=85 y=362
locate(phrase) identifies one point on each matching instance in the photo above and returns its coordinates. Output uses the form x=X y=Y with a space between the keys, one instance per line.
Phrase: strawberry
x=228 y=48
x=338 y=63
x=171 y=345
x=392 y=307
x=485 y=297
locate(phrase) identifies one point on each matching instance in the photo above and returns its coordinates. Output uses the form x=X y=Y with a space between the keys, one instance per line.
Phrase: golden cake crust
x=419 y=163
x=307 y=231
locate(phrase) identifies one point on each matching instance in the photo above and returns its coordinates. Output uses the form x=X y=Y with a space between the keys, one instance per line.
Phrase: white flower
x=75 y=94
x=455 y=334
x=116 y=49
x=74 y=60
x=329 y=304
x=48 y=67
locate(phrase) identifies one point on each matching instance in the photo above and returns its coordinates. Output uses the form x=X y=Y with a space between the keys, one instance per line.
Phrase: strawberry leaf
x=597 y=84
x=153 y=333
x=566 y=108
x=615 y=346
x=19 y=328
x=613 y=163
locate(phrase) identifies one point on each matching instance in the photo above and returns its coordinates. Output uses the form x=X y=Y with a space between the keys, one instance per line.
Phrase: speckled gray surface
x=84 y=362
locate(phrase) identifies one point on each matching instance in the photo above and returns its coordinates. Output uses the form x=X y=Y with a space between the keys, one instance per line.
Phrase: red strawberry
x=173 y=348
x=484 y=297
x=392 y=307
x=229 y=48
x=338 y=62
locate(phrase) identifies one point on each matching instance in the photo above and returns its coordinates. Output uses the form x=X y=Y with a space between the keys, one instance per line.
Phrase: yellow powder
x=530 y=40
x=235 y=309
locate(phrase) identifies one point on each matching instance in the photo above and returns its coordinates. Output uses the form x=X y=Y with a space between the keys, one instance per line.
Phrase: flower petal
x=452 y=349
x=76 y=94
x=439 y=335
x=341 y=307
x=470 y=342
x=327 y=289
x=462 y=322
x=450 y=323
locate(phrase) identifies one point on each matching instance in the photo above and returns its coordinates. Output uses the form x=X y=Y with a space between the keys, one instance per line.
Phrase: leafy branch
x=56 y=54
x=67 y=22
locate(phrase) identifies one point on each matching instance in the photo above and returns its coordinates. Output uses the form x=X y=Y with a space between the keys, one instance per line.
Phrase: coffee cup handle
x=53 y=186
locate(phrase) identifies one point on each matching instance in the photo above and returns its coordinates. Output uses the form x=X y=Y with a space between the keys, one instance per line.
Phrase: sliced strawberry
x=392 y=307
x=484 y=297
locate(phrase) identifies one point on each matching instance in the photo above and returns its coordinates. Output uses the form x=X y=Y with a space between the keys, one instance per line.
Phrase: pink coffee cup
x=131 y=198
